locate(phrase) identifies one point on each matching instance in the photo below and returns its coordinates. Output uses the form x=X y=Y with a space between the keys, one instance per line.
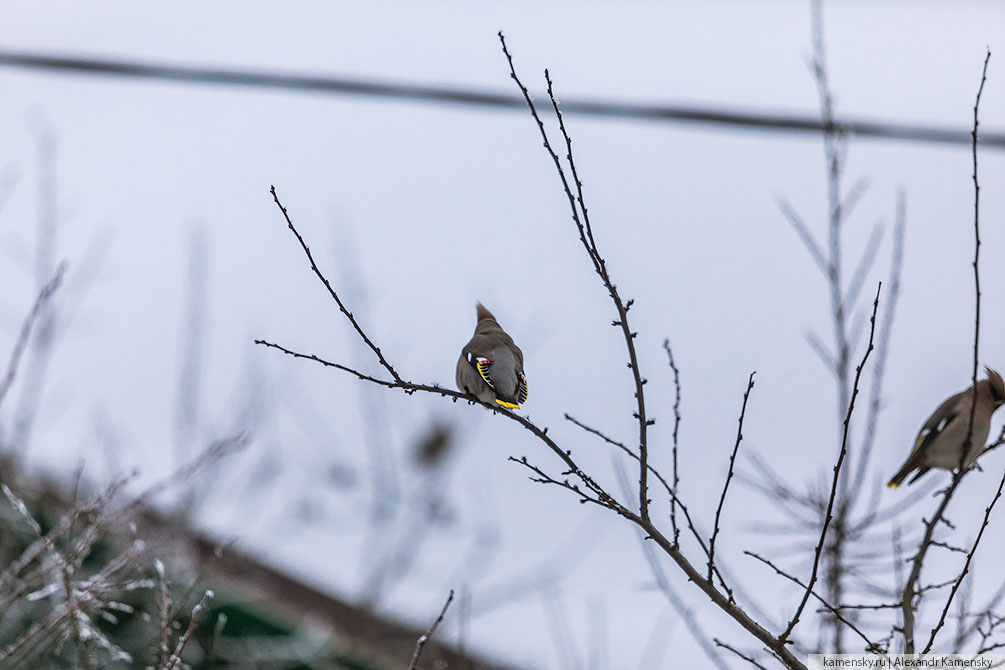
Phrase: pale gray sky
x=446 y=206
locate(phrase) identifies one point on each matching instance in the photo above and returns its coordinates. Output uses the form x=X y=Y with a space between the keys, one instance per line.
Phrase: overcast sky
x=418 y=211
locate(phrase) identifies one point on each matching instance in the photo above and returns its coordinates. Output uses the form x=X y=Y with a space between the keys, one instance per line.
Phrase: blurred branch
x=22 y=341
x=883 y=346
x=82 y=595
x=183 y=641
x=421 y=642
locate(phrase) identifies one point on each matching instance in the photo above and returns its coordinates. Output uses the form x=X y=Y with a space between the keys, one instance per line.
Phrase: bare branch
x=910 y=592
x=376 y=350
x=183 y=641
x=424 y=638
x=687 y=615
x=748 y=659
x=909 y=588
x=599 y=266
x=544 y=478
x=676 y=428
x=837 y=472
x=977 y=255
x=671 y=493
x=966 y=565
x=870 y=645
x=729 y=475
x=410 y=388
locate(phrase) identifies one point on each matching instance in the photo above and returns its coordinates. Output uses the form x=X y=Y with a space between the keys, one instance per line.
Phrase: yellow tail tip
x=892 y=485
x=507 y=405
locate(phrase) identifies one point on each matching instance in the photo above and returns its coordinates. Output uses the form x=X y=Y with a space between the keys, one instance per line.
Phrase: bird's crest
x=483 y=313
x=996 y=383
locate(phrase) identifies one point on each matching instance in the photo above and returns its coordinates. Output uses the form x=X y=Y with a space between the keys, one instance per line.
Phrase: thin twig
x=966 y=565
x=676 y=428
x=376 y=350
x=83 y=658
x=687 y=615
x=192 y=624
x=423 y=639
x=977 y=255
x=748 y=659
x=599 y=266
x=671 y=493
x=870 y=645
x=22 y=341
x=837 y=473
x=909 y=592
x=410 y=388
x=729 y=475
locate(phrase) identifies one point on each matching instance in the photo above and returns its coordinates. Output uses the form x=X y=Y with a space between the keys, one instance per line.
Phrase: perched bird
x=491 y=365
x=940 y=442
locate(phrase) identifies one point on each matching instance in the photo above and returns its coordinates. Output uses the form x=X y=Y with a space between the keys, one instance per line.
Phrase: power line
x=429 y=94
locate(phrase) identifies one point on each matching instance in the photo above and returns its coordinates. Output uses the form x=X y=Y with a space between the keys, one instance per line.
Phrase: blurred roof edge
x=247 y=579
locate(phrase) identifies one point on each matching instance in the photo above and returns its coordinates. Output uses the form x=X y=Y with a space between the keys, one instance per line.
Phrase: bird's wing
x=479 y=355
x=484 y=368
x=937 y=423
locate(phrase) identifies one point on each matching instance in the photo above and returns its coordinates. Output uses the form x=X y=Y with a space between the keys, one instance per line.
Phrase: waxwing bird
x=491 y=365
x=940 y=442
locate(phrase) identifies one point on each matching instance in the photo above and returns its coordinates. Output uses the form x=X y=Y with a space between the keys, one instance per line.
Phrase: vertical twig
x=977 y=332
x=192 y=624
x=977 y=255
x=424 y=638
x=599 y=266
x=837 y=473
x=22 y=340
x=729 y=476
x=676 y=428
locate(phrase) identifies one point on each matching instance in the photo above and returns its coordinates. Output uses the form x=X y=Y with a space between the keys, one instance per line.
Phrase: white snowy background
x=420 y=210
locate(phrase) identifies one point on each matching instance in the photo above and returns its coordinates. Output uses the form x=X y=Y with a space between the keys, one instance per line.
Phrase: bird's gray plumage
x=940 y=442
x=500 y=378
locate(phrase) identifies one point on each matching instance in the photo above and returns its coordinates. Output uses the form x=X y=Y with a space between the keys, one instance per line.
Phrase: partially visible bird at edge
x=491 y=365
x=940 y=443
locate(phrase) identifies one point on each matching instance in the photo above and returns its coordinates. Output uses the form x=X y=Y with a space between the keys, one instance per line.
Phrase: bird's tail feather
x=913 y=463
